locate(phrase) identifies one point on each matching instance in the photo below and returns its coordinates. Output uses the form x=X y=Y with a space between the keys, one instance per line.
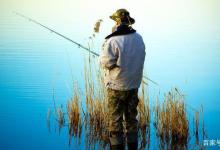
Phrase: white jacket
x=128 y=53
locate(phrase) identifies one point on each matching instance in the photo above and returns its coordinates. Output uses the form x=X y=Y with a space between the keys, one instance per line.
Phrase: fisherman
x=122 y=59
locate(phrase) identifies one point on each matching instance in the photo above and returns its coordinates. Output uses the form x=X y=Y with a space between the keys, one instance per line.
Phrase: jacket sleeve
x=108 y=57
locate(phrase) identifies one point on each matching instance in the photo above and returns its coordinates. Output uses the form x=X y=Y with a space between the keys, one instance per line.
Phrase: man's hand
x=113 y=66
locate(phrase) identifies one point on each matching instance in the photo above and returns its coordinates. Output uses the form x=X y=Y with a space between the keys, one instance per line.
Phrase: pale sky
x=151 y=15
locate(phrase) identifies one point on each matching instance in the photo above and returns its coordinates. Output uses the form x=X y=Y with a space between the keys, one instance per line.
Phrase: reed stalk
x=171 y=121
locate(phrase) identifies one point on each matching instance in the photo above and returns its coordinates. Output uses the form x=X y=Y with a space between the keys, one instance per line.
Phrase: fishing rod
x=53 y=31
x=72 y=41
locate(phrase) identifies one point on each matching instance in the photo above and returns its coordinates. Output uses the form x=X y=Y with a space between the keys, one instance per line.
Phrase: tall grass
x=199 y=127
x=144 y=117
x=60 y=117
x=171 y=121
x=74 y=114
x=95 y=113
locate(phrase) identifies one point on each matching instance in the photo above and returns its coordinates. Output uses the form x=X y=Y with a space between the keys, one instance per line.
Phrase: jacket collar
x=121 y=30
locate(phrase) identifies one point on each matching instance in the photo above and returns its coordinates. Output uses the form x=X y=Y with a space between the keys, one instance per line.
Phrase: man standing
x=122 y=59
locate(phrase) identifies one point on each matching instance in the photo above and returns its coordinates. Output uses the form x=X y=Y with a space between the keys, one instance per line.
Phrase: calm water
x=33 y=62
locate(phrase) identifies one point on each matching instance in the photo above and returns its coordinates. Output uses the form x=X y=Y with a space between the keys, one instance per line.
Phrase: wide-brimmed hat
x=123 y=16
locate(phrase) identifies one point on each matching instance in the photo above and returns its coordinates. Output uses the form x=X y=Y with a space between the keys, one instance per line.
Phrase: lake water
x=34 y=61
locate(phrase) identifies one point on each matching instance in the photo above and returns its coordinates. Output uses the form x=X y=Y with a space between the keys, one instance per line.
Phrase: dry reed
x=74 y=115
x=171 y=122
x=96 y=119
x=170 y=116
x=144 y=118
x=60 y=117
x=97 y=26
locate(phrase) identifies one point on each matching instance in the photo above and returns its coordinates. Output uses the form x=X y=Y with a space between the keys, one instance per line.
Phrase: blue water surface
x=35 y=62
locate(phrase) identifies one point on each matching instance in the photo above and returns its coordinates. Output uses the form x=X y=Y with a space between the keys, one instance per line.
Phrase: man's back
x=129 y=53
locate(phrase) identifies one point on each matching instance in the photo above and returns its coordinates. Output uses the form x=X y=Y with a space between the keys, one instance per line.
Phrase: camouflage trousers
x=122 y=111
